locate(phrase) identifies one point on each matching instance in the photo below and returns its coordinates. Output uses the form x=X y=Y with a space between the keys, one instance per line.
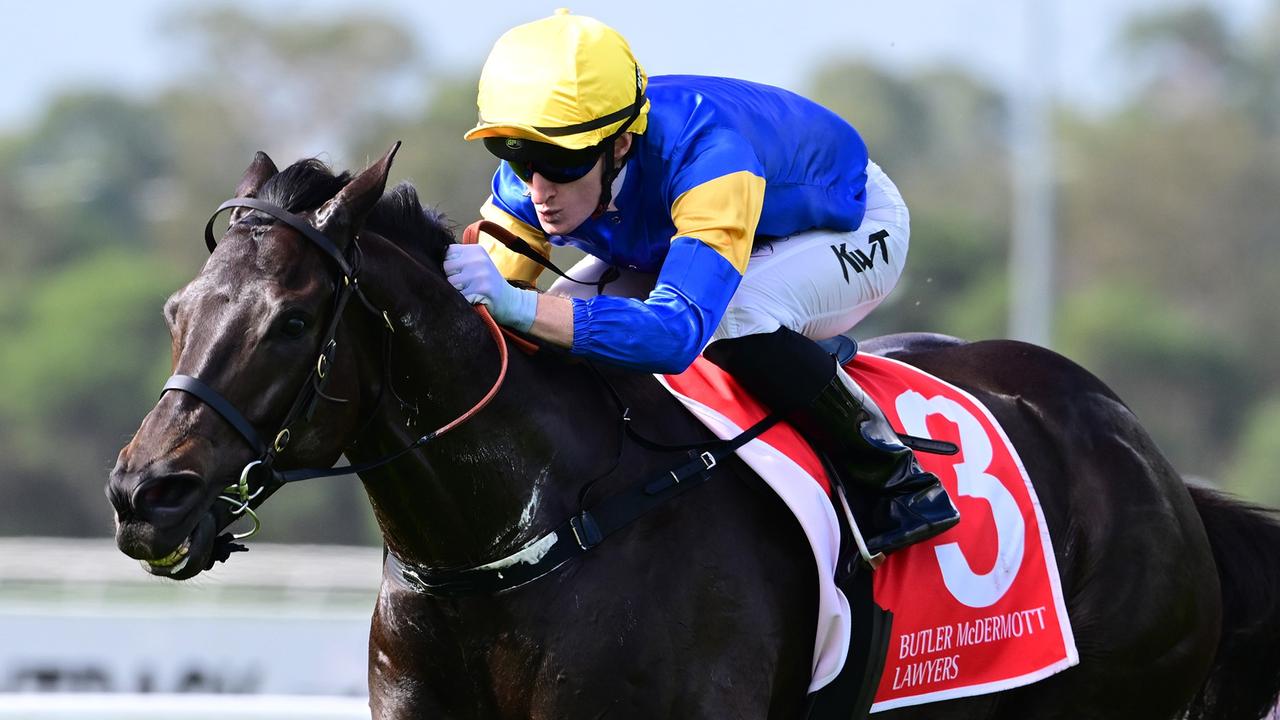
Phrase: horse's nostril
x=167 y=493
x=161 y=495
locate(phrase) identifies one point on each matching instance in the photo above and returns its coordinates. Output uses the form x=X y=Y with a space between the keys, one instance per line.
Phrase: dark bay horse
x=704 y=608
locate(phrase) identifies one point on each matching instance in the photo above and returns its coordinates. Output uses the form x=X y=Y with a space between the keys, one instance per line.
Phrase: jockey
x=743 y=222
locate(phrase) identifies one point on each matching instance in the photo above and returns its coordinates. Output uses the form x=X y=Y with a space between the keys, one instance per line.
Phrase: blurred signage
x=154 y=649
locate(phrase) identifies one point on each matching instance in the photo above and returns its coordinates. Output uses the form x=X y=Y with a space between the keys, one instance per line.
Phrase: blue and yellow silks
x=721 y=163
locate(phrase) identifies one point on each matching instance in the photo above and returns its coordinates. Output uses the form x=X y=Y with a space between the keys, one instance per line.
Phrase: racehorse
x=702 y=608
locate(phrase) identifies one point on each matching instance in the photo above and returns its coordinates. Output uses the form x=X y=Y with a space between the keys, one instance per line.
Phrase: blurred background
x=1100 y=176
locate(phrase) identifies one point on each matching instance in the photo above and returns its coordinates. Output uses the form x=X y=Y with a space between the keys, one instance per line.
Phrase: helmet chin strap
x=611 y=172
x=609 y=175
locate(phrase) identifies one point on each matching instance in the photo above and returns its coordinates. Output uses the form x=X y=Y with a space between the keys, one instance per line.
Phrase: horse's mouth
x=190 y=557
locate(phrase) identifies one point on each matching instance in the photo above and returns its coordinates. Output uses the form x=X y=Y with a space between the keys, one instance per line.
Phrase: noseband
x=241 y=495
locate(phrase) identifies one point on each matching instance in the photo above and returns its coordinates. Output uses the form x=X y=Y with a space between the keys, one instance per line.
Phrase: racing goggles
x=556 y=164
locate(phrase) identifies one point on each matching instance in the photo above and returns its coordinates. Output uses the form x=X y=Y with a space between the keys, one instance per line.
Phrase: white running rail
x=187 y=707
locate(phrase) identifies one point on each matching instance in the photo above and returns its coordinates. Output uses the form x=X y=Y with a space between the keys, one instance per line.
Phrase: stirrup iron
x=872 y=561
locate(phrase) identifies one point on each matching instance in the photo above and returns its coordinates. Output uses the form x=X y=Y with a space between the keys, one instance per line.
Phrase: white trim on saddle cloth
x=812 y=508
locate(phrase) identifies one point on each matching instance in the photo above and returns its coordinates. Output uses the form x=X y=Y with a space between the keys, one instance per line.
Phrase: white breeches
x=819 y=283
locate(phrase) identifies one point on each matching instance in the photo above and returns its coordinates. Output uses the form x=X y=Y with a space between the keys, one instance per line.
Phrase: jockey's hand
x=472 y=272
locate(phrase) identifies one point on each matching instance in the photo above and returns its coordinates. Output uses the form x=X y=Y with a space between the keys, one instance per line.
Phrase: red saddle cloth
x=977 y=609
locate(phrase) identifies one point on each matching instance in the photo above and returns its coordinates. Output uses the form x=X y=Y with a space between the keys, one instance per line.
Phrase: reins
x=517 y=245
x=288 y=476
x=244 y=497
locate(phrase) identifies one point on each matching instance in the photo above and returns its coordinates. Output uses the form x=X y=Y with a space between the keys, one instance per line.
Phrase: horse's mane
x=399 y=215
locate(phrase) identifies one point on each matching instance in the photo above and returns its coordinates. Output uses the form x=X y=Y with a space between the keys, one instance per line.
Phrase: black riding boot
x=911 y=504
x=791 y=374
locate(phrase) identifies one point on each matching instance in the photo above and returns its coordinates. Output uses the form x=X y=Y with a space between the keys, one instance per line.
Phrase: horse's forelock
x=399 y=215
x=304 y=185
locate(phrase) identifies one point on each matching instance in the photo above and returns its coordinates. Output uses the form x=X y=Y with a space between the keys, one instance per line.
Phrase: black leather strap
x=284 y=477
x=517 y=245
x=584 y=530
x=294 y=221
x=574 y=537
x=214 y=399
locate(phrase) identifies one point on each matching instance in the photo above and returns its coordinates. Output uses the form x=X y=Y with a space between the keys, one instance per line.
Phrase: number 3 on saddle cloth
x=975 y=610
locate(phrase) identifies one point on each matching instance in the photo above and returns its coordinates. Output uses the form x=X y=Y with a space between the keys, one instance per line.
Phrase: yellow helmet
x=566 y=80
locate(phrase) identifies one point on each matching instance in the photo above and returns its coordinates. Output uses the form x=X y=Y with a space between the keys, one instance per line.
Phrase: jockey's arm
x=715 y=223
x=661 y=334
x=554 y=320
x=715 y=220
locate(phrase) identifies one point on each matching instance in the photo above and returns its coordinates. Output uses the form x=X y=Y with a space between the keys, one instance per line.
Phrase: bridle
x=242 y=496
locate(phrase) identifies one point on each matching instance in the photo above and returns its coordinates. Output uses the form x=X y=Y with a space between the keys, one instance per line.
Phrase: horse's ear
x=343 y=216
x=258 y=173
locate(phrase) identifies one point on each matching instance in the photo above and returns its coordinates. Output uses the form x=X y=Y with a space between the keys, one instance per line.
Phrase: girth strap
x=584 y=530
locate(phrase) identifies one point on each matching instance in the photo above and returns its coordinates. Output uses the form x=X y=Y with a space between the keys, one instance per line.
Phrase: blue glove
x=472 y=272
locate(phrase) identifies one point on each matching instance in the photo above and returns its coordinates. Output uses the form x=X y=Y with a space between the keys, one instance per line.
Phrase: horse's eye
x=294 y=327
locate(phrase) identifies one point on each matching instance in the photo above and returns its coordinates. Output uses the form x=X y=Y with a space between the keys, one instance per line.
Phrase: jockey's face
x=562 y=207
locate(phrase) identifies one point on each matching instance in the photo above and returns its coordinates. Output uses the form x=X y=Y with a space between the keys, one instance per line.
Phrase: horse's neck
x=508 y=474
x=495 y=482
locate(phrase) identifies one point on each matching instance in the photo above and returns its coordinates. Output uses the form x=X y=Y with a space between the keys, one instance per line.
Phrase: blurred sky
x=48 y=47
